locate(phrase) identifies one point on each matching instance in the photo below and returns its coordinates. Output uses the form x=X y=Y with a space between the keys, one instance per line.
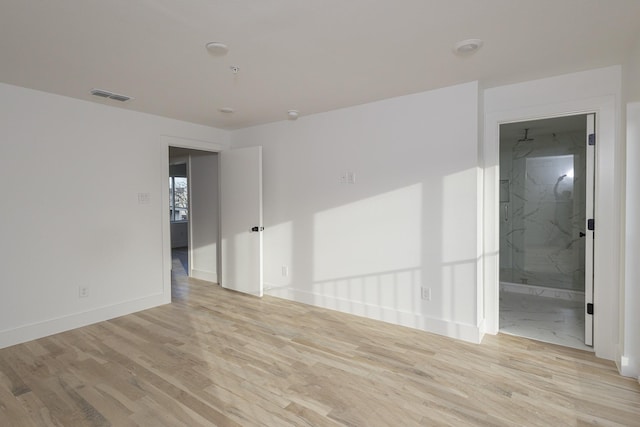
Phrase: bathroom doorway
x=546 y=247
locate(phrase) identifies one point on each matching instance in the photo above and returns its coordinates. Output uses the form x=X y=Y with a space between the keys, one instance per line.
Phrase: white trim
x=194 y=144
x=190 y=225
x=590 y=188
x=625 y=364
x=461 y=331
x=57 y=325
x=207 y=276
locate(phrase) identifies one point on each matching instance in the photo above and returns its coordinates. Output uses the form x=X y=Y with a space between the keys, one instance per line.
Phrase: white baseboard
x=462 y=331
x=626 y=365
x=207 y=276
x=48 y=327
x=541 y=291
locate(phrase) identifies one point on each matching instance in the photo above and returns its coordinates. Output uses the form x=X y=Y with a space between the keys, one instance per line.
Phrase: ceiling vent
x=106 y=94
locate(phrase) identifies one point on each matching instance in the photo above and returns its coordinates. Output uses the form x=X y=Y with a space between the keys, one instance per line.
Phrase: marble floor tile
x=551 y=320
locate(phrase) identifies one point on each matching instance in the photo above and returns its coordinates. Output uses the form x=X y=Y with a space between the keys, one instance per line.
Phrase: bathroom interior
x=543 y=191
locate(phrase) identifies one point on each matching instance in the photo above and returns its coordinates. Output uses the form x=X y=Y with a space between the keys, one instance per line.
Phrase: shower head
x=526 y=136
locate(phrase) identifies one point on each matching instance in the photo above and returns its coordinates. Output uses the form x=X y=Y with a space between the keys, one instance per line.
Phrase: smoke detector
x=217 y=48
x=467 y=47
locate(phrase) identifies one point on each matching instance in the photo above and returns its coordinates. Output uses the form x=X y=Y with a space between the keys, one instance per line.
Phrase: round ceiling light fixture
x=293 y=114
x=467 y=47
x=217 y=48
x=227 y=110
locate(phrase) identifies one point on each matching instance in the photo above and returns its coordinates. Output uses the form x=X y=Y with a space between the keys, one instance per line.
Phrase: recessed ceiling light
x=227 y=110
x=293 y=114
x=467 y=47
x=217 y=48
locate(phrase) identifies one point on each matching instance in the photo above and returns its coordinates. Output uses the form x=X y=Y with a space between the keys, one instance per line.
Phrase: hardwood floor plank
x=215 y=357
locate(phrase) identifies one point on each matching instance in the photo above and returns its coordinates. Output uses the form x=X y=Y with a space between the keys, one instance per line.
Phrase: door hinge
x=591 y=225
x=590 y=308
x=592 y=139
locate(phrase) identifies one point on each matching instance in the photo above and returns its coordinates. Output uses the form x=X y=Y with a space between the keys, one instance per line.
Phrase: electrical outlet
x=144 y=198
x=285 y=271
x=83 y=291
x=426 y=294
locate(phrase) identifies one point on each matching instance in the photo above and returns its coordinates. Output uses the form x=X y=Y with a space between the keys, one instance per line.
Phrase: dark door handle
x=582 y=234
x=256 y=229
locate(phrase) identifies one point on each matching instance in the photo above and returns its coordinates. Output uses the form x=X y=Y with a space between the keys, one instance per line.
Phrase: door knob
x=256 y=229
x=582 y=234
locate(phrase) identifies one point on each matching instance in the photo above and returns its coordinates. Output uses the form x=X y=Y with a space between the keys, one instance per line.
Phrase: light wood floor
x=214 y=357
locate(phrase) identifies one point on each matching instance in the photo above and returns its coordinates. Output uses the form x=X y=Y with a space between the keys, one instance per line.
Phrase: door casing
x=607 y=210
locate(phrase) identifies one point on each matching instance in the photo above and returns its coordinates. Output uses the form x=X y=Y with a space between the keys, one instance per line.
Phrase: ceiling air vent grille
x=121 y=98
x=106 y=94
x=101 y=93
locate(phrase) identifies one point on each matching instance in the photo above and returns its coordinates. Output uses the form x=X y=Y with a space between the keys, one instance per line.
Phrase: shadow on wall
x=406 y=256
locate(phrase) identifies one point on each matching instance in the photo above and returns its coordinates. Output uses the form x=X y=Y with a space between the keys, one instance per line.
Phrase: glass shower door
x=552 y=247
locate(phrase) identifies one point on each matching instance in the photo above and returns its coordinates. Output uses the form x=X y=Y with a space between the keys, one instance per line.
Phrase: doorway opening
x=194 y=212
x=546 y=251
x=179 y=210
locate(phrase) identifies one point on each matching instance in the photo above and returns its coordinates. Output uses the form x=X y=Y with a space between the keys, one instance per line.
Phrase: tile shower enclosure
x=542 y=203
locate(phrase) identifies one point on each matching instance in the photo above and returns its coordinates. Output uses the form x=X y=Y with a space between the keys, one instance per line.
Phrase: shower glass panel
x=550 y=239
x=542 y=211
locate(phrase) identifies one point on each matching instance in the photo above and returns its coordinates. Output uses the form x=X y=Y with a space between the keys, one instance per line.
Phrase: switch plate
x=426 y=294
x=351 y=177
x=343 y=177
x=83 y=291
x=144 y=198
x=285 y=271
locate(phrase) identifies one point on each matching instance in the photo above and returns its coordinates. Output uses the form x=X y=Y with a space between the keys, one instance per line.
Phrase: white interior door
x=241 y=220
x=589 y=230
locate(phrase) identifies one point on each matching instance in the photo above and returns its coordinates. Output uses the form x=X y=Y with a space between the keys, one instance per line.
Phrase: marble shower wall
x=542 y=211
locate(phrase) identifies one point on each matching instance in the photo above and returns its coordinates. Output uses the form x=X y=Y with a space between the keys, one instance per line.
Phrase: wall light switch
x=343 y=177
x=285 y=271
x=351 y=177
x=144 y=198
x=83 y=291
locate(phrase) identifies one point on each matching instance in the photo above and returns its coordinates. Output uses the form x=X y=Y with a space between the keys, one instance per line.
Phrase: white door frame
x=606 y=262
x=590 y=242
x=167 y=141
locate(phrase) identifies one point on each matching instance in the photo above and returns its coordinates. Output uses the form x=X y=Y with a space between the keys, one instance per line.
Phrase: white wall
x=72 y=171
x=631 y=336
x=203 y=179
x=630 y=297
x=591 y=91
x=408 y=221
x=631 y=71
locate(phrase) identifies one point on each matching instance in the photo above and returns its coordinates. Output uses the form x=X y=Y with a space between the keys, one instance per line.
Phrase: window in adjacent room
x=178 y=195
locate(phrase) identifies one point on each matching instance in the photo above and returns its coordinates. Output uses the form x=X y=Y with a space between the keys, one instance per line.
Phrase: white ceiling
x=297 y=54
